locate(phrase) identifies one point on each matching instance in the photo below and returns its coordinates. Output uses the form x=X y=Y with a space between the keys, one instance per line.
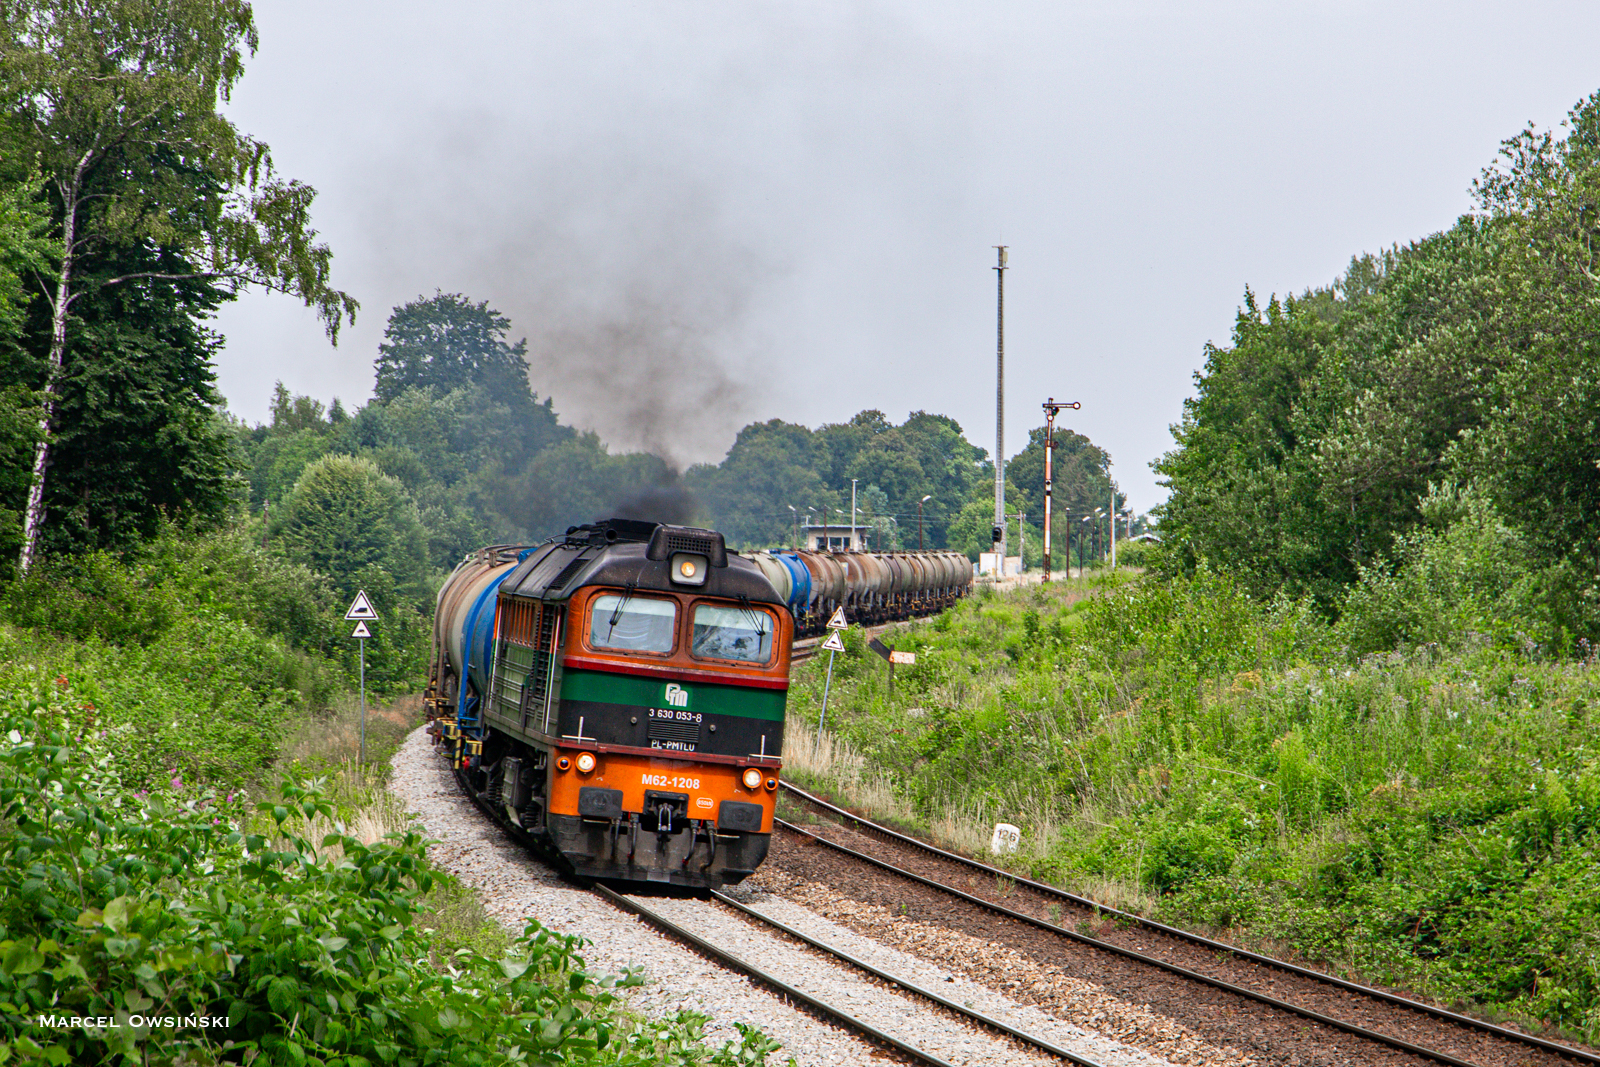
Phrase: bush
x=119 y=906
x=1467 y=573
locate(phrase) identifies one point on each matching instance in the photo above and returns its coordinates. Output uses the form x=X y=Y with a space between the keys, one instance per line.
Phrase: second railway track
x=828 y=1006
x=1391 y=1028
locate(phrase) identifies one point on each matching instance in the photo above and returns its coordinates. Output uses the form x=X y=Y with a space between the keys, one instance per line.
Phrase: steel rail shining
x=732 y=962
x=960 y=1009
x=1152 y=961
x=1198 y=939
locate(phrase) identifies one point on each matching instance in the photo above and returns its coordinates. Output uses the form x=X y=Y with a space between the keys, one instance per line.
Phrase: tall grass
x=1421 y=817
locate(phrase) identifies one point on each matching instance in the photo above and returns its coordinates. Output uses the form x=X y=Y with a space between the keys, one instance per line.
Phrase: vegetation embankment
x=185 y=834
x=1421 y=818
x=1350 y=713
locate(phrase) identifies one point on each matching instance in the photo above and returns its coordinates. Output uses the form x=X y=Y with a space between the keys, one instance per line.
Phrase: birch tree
x=117 y=101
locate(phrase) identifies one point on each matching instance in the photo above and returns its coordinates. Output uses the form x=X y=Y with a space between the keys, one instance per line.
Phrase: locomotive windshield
x=633 y=624
x=732 y=633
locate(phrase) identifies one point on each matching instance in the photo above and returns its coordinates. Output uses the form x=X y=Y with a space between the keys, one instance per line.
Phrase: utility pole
x=1051 y=408
x=1000 y=412
x=1113 y=514
x=853 y=544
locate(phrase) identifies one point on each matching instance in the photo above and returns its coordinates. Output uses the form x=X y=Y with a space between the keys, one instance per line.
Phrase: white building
x=836 y=538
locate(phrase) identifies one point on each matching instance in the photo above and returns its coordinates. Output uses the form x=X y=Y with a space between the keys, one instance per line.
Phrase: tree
x=771 y=467
x=138 y=427
x=118 y=103
x=447 y=342
x=348 y=520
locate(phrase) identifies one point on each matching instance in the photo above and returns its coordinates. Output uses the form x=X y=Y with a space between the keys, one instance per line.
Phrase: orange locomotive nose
x=643 y=781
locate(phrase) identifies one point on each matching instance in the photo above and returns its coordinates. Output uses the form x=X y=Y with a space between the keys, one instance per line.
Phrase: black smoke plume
x=670 y=503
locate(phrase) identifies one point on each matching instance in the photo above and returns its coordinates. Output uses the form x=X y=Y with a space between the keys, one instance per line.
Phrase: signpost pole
x=363 y=700
x=361 y=612
x=834 y=646
x=827 y=685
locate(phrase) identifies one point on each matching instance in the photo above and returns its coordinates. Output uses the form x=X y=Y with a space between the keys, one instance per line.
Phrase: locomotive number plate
x=669 y=781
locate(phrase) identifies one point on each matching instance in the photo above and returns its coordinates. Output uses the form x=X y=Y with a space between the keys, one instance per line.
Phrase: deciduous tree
x=117 y=101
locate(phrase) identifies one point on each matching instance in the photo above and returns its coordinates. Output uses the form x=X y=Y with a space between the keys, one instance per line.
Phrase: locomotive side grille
x=536 y=688
x=518 y=622
x=667 y=730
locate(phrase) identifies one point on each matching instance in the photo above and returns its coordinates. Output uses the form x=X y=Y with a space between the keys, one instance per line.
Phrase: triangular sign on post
x=833 y=644
x=837 y=621
x=361 y=607
x=361 y=630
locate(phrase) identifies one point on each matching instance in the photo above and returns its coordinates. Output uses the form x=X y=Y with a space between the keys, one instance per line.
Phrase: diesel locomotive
x=616 y=698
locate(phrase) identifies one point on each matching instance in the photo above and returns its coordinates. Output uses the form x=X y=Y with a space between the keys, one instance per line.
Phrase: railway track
x=1203 y=960
x=831 y=1011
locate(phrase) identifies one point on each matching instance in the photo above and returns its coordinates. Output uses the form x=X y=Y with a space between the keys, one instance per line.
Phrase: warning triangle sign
x=833 y=644
x=361 y=630
x=837 y=621
x=361 y=607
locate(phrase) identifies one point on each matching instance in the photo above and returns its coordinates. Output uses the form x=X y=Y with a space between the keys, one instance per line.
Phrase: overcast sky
x=706 y=214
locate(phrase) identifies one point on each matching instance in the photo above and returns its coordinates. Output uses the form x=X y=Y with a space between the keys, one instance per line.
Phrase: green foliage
x=1423 y=818
x=159 y=209
x=348 y=520
x=1468 y=357
x=447 y=342
x=775 y=465
x=306 y=944
x=136 y=437
x=1468 y=576
x=24 y=221
x=118 y=102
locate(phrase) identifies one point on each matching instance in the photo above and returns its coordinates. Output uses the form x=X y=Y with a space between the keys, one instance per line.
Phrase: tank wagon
x=872 y=587
x=616 y=697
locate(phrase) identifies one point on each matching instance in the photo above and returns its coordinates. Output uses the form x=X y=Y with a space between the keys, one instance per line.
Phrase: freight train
x=872 y=587
x=616 y=697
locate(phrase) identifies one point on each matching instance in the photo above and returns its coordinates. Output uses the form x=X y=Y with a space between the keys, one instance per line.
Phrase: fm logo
x=677 y=696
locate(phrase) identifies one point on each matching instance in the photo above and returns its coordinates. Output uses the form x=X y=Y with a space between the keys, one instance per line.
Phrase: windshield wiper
x=760 y=618
x=627 y=595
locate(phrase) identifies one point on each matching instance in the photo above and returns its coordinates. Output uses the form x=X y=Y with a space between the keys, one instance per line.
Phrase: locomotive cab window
x=736 y=633
x=633 y=624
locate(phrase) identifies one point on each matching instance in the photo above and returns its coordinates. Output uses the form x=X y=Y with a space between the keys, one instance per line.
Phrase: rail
x=1442 y=1014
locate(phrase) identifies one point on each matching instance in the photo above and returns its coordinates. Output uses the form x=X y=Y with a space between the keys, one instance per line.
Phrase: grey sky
x=706 y=214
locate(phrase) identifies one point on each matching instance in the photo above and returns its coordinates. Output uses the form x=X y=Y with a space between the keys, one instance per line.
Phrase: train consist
x=872 y=587
x=616 y=697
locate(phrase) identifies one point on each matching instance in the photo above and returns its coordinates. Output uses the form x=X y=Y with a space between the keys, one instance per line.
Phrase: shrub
x=119 y=906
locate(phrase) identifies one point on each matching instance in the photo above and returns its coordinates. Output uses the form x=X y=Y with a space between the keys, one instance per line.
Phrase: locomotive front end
x=630 y=707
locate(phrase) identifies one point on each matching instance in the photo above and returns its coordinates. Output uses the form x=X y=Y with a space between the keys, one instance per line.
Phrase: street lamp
x=921 y=502
x=1081 y=536
x=1096 y=546
x=796 y=539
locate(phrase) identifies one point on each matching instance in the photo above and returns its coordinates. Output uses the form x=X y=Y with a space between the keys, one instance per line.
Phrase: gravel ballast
x=516 y=886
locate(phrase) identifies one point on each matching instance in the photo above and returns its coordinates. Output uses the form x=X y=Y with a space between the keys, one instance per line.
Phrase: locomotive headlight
x=585 y=762
x=752 y=778
x=687 y=568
